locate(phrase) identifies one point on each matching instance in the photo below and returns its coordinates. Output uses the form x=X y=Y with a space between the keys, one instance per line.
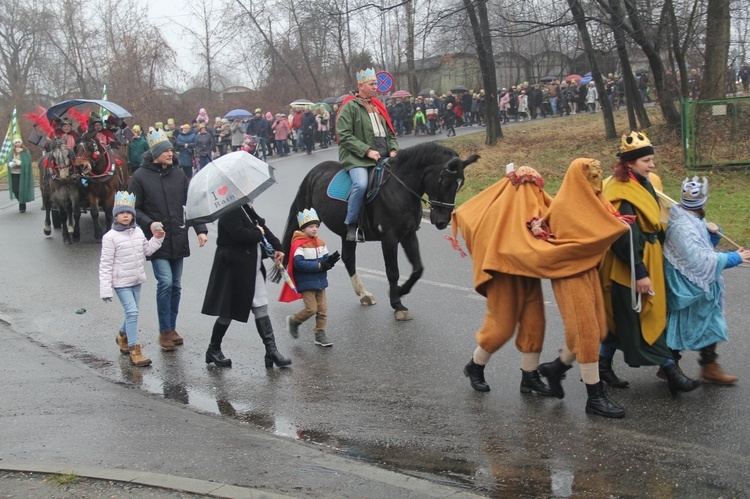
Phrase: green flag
x=6 y=152
x=103 y=112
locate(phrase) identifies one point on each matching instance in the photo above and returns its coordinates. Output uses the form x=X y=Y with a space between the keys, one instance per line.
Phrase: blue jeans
x=398 y=124
x=168 y=275
x=300 y=143
x=282 y=147
x=129 y=297
x=553 y=103
x=359 y=176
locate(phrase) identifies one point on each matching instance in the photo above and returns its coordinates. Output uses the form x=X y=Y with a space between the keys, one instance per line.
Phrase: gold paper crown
x=124 y=198
x=156 y=137
x=306 y=217
x=366 y=75
x=633 y=141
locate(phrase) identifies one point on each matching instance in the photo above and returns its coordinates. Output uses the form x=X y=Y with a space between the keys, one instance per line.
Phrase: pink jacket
x=281 y=129
x=123 y=259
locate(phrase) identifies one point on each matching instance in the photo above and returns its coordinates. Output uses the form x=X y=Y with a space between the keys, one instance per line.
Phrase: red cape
x=287 y=294
x=378 y=105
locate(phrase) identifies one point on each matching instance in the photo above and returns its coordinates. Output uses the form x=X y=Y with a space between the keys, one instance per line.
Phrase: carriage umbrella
x=225 y=184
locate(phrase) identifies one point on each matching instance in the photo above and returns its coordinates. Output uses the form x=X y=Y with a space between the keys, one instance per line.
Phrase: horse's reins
x=108 y=172
x=431 y=202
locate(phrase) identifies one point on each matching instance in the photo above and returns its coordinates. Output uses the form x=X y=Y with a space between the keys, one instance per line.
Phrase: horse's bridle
x=432 y=203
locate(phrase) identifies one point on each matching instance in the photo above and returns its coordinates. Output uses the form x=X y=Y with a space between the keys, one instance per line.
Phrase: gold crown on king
x=366 y=75
x=124 y=198
x=306 y=216
x=633 y=141
x=156 y=136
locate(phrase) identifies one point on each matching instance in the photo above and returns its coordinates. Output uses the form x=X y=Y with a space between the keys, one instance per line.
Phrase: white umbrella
x=224 y=184
x=301 y=103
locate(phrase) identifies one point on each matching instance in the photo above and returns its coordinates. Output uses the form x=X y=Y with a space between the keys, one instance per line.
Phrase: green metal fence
x=716 y=133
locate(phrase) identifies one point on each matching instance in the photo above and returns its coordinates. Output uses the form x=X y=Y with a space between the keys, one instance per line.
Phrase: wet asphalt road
x=393 y=393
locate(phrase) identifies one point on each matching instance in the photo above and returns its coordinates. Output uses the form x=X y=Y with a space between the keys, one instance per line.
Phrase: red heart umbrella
x=401 y=94
x=573 y=77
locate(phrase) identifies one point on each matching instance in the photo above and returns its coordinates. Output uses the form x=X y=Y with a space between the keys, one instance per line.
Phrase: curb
x=169 y=482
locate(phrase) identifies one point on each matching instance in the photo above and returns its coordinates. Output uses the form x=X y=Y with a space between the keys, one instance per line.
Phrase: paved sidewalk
x=59 y=417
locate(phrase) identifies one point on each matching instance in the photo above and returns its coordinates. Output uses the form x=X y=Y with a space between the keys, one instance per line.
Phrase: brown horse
x=61 y=186
x=104 y=171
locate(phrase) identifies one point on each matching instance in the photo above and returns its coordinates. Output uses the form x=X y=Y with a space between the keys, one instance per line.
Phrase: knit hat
x=307 y=217
x=185 y=127
x=633 y=146
x=269 y=116
x=694 y=193
x=124 y=203
x=158 y=143
x=258 y=110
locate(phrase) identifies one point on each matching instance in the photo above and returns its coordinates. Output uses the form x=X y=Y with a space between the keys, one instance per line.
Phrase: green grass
x=62 y=480
x=549 y=145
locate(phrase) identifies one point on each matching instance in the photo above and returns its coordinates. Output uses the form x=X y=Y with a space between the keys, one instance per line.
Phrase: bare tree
x=718 y=24
x=477 y=13
x=22 y=27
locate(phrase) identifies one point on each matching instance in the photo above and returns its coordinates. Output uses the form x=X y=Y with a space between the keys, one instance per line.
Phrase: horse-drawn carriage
x=86 y=177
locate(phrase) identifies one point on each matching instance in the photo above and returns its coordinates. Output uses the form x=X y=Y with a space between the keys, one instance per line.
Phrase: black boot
x=475 y=373
x=532 y=381
x=608 y=375
x=215 y=355
x=554 y=372
x=677 y=381
x=599 y=403
x=265 y=330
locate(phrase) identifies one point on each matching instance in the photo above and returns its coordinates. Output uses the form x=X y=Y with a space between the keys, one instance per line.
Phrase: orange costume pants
x=581 y=305
x=512 y=301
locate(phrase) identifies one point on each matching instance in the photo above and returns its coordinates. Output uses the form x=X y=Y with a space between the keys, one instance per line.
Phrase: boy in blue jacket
x=309 y=263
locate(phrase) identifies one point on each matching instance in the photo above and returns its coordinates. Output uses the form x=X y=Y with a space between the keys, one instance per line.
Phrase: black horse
x=394 y=215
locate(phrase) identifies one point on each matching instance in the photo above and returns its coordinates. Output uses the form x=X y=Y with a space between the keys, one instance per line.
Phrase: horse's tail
x=302 y=200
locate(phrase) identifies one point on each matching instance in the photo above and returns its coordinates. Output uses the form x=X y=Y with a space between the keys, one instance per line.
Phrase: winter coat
x=309 y=125
x=523 y=103
x=185 y=153
x=308 y=275
x=398 y=111
x=160 y=196
x=122 y=262
x=592 y=95
x=505 y=102
x=26 y=177
x=137 y=147
x=355 y=133
x=231 y=285
x=238 y=134
x=205 y=143
x=257 y=126
x=281 y=129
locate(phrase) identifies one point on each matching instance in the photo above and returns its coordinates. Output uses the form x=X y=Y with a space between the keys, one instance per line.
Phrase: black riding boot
x=475 y=373
x=608 y=375
x=599 y=403
x=532 y=381
x=214 y=353
x=554 y=372
x=351 y=232
x=677 y=381
x=265 y=330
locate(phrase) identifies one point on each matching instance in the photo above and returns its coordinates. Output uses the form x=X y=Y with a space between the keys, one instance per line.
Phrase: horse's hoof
x=367 y=300
x=67 y=242
x=76 y=239
x=403 y=315
x=47 y=232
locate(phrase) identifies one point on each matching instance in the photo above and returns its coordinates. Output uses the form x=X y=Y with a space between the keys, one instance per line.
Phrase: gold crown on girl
x=633 y=141
x=124 y=198
x=306 y=217
x=366 y=75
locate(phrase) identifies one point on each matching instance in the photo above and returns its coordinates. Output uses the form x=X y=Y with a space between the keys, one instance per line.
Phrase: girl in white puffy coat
x=122 y=268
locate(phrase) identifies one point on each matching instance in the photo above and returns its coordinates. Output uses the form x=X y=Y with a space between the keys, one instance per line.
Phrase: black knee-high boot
x=214 y=353
x=265 y=330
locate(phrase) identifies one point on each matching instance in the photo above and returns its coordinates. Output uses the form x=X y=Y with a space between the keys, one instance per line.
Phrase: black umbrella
x=547 y=79
x=330 y=100
x=459 y=88
x=425 y=91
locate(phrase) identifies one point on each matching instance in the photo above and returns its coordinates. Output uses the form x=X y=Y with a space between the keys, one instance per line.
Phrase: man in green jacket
x=365 y=134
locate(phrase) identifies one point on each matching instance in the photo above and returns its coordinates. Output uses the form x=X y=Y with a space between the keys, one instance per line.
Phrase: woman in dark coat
x=237 y=284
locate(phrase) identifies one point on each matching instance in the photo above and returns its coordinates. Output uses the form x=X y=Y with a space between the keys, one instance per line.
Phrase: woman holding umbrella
x=237 y=284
